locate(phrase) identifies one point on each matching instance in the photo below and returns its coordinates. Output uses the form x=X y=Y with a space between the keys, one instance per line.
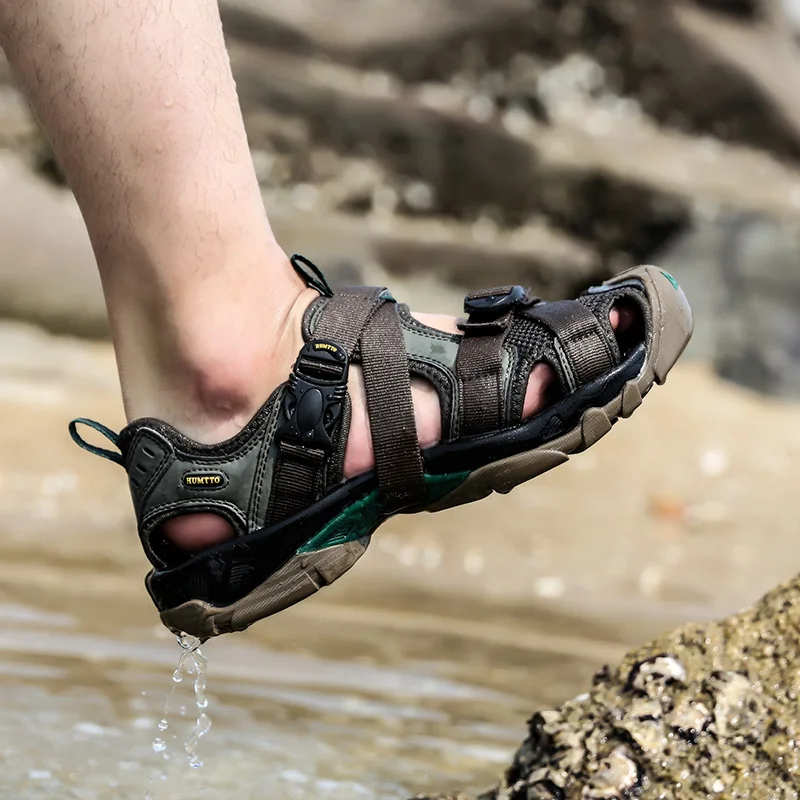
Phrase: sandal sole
x=306 y=573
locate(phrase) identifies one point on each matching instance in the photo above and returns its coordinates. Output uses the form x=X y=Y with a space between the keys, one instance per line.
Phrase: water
x=330 y=700
x=192 y=663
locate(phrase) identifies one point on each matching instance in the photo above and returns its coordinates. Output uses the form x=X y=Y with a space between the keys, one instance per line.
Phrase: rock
x=617 y=182
x=741 y=272
x=416 y=39
x=744 y=9
x=47 y=267
x=551 y=263
x=48 y=273
x=651 y=52
x=722 y=720
x=765 y=58
x=473 y=167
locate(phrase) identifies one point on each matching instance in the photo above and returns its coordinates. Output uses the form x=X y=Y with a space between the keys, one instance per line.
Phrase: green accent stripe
x=362 y=517
x=670 y=279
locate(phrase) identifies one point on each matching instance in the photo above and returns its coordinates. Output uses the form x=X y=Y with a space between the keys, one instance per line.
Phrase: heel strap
x=116 y=457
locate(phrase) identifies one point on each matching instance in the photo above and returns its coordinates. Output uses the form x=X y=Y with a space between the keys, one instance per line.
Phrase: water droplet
x=196 y=762
x=163 y=725
x=159 y=745
x=177 y=676
x=203 y=725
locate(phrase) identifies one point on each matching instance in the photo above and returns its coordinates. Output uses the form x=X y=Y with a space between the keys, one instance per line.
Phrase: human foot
x=281 y=483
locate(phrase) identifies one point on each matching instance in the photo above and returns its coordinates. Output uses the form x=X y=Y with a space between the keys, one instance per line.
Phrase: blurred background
x=437 y=145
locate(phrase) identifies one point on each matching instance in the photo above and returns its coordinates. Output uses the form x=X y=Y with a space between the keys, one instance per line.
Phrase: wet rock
x=729 y=726
x=737 y=708
x=617 y=777
x=689 y=719
x=655 y=675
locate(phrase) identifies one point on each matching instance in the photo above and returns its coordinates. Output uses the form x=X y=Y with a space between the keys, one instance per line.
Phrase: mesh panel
x=531 y=337
x=535 y=344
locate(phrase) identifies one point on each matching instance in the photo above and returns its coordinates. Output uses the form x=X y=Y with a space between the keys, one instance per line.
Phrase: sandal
x=279 y=482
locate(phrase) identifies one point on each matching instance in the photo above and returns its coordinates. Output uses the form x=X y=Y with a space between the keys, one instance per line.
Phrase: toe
x=622 y=317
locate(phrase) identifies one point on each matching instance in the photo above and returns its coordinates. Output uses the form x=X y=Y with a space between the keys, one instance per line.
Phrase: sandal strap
x=581 y=344
x=348 y=313
x=363 y=320
x=398 y=460
x=298 y=481
x=301 y=469
x=366 y=318
x=479 y=364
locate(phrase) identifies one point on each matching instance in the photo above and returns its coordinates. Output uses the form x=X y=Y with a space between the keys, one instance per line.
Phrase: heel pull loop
x=311 y=274
x=97 y=451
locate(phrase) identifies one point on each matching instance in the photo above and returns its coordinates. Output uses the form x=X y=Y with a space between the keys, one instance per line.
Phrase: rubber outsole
x=306 y=573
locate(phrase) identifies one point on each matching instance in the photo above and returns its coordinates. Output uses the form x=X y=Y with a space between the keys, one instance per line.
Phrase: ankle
x=217 y=355
x=223 y=383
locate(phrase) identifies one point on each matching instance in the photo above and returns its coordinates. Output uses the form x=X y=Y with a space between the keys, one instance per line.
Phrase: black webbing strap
x=297 y=480
x=580 y=342
x=398 y=461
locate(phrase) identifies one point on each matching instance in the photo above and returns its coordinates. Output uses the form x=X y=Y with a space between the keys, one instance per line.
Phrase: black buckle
x=315 y=394
x=490 y=307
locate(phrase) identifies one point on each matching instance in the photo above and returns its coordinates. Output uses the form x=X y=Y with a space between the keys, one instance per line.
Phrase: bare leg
x=138 y=100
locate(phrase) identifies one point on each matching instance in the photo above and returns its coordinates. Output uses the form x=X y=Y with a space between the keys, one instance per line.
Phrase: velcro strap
x=580 y=341
x=398 y=461
x=479 y=368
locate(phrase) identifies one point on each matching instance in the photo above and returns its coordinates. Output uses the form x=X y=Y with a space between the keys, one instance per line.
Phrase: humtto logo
x=204 y=480
x=331 y=348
